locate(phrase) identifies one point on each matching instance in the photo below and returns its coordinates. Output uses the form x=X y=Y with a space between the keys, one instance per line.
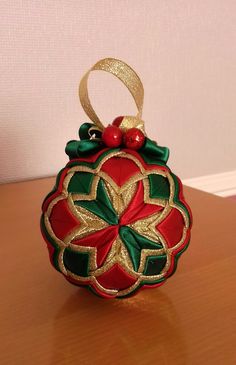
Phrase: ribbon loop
x=124 y=73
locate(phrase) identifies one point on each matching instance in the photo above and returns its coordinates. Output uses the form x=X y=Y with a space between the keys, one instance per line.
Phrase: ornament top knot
x=116 y=221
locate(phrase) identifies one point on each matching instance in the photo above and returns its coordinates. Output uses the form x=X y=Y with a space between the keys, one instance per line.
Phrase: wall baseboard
x=223 y=184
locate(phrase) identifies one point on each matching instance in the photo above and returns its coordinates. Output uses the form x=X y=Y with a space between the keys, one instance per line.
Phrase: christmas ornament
x=116 y=220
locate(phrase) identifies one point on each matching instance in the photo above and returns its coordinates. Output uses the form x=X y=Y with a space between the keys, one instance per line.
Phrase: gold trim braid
x=124 y=73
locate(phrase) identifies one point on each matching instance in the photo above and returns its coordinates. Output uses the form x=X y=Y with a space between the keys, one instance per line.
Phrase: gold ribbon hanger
x=129 y=78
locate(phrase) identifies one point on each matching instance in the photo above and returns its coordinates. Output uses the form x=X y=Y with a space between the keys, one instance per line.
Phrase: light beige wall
x=184 y=51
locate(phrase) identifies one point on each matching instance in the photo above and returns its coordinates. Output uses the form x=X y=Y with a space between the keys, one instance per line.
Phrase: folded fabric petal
x=75 y=149
x=152 y=153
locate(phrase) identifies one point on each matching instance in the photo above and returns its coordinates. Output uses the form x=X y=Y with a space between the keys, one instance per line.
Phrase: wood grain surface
x=44 y=320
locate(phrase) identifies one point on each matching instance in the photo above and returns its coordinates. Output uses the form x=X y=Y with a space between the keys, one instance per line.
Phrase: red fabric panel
x=172 y=227
x=62 y=220
x=186 y=241
x=120 y=169
x=116 y=278
x=137 y=209
x=102 y=240
x=145 y=165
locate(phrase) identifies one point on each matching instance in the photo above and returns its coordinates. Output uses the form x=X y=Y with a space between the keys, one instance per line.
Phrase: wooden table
x=45 y=320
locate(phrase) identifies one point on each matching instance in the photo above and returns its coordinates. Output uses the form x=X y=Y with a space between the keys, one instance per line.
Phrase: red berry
x=112 y=136
x=117 y=121
x=134 y=139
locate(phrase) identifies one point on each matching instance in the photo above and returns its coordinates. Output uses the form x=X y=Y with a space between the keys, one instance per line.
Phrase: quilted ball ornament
x=116 y=220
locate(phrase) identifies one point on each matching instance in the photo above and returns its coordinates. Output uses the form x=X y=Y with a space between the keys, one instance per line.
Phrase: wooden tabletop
x=191 y=319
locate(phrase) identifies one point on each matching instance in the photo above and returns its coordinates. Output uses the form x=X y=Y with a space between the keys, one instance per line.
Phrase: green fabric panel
x=176 y=196
x=102 y=206
x=52 y=242
x=154 y=265
x=134 y=243
x=80 y=183
x=159 y=186
x=76 y=262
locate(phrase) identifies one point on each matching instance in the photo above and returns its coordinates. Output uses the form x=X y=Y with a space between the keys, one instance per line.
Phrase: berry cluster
x=113 y=136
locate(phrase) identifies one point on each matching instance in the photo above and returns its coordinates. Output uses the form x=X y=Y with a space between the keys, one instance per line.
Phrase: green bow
x=151 y=152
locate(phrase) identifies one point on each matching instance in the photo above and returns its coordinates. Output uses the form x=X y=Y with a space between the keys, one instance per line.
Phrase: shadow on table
x=140 y=330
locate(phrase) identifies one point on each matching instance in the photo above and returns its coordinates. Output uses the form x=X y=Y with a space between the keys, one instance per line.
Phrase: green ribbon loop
x=86 y=145
x=84 y=130
x=151 y=152
x=75 y=149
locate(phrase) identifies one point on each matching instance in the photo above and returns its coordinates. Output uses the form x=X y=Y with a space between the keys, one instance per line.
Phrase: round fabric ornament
x=116 y=220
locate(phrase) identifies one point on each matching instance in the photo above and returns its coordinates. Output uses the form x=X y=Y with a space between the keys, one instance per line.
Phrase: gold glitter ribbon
x=124 y=73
